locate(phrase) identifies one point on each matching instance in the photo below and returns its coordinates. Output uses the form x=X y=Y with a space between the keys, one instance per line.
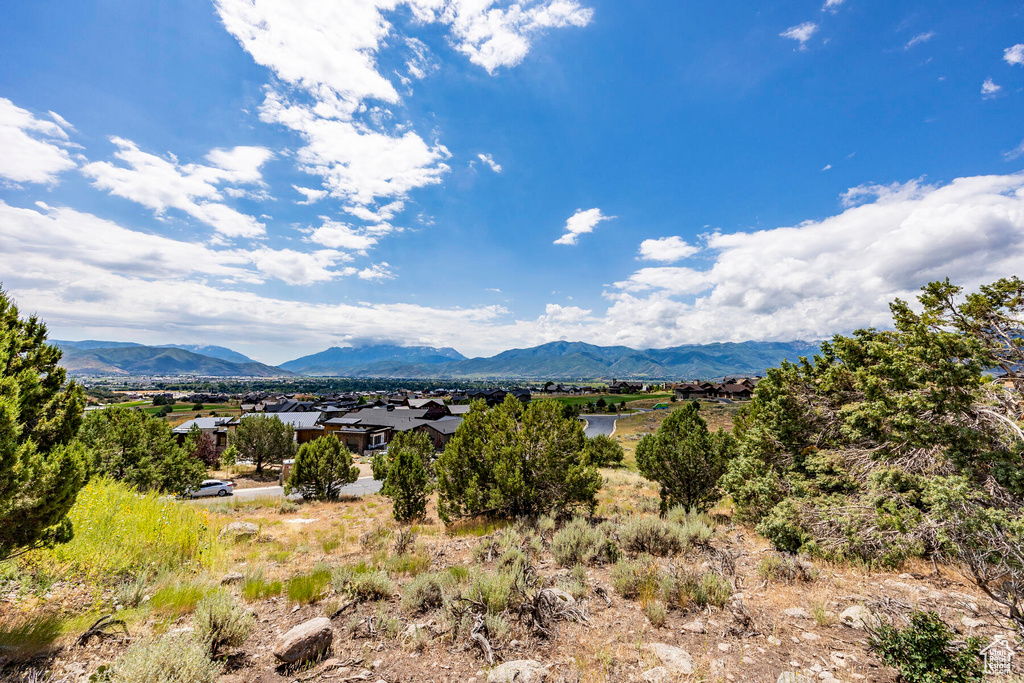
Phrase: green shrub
x=408 y=564
x=776 y=567
x=256 y=587
x=696 y=527
x=497 y=626
x=656 y=613
x=638 y=579
x=580 y=543
x=406 y=474
x=605 y=451
x=221 y=622
x=923 y=651
x=131 y=592
x=306 y=589
x=322 y=467
x=652 y=536
x=427 y=592
x=362 y=583
x=491 y=589
x=173 y=658
x=712 y=589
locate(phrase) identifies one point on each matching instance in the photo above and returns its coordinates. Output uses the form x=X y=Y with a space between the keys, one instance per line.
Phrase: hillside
x=154 y=360
x=336 y=360
x=563 y=360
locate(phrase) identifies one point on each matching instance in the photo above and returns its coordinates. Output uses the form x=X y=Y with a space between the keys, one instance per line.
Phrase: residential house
x=216 y=427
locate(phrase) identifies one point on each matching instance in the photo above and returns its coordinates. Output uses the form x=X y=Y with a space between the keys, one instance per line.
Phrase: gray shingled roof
x=202 y=423
x=296 y=420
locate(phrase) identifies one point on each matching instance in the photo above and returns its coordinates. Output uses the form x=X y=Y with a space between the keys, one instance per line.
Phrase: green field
x=609 y=398
x=181 y=407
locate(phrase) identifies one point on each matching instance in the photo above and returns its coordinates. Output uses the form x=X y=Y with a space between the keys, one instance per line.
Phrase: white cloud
x=918 y=39
x=330 y=87
x=312 y=196
x=384 y=213
x=801 y=33
x=1015 y=54
x=990 y=89
x=341 y=236
x=490 y=162
x=674 y=280
x=31 y=151
x=667 y=249
x=581 y=223
x=1014 y=153
x=832 y=6
x=827 y=167
x=493 y=37
x=162 y=184
x=300 y=268
x=377 y=271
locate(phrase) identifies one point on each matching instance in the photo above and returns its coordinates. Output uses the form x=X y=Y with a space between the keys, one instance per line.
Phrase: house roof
x=296 y=420
x=446 y=425
x=202 y=423
x=344 y=421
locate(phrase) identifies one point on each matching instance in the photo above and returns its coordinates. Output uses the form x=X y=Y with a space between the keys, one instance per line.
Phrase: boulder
x=790 y=677
x=518 y=671
x=563 y=597
x=232 y=577
x=676 y=660
x=239 y=530
x=796 y=613
x=971 y=623
x=306 y=641
x=658 y=674
x=857 y=617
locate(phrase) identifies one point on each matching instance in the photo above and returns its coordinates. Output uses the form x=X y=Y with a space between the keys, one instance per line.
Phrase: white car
x=213 y=487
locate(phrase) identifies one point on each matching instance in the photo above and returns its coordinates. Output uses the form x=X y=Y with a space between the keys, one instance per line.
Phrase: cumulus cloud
x=1015 y=54
x=377 y=271
x=490 y=162
x=801 y=33
x=32 y=151
x=338 y=235
x=330 y=90
x=989 y=89
x=161 y=184
x=667 y=249
x=312 y=196
x=581 y=223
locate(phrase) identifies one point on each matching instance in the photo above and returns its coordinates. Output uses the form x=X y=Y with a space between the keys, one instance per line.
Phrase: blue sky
x=279 y=176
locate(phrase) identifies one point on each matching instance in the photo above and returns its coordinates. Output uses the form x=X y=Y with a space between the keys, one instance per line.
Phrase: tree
x=197 y=407
x=512 y=461
x=685 y=458
x=42 y=469
x=406 y=476
x=263 y=439
x=321 y=468
x=605 y=451
x=127 y=445
x=201 y=446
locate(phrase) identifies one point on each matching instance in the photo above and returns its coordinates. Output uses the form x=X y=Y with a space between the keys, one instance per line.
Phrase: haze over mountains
x=552 y=361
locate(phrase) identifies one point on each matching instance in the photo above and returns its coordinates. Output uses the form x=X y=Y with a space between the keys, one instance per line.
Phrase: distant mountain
x=220 y=352
x=126 y=359
x=560 y=361
x=90 y=344
x=342 y=360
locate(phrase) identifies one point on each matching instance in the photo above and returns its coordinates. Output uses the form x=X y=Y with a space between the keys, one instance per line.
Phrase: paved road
x=599 y=424
x=362 y=487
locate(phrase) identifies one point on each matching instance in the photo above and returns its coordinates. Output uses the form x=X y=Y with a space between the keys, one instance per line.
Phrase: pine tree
x=263 y=439
x=406 y=477
x=41 y=468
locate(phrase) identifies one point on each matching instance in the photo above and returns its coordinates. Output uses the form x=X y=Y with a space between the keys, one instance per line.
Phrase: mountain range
x=553 y=361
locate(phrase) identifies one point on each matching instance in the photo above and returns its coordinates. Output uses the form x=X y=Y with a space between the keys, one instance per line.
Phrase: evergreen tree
x=321 y=468
x=685 y=458
x=605 y=451
x=263 y=439
x=41 y=468
x=512 y=461
x=407 y=479
x=127 y=445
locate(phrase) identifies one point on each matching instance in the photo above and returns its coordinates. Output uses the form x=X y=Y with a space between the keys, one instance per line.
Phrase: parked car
x=212 y=487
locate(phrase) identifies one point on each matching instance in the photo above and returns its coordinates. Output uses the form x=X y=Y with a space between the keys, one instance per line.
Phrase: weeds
x=638 y=579
x=130 y=593
x=427 y=592
x=652 y=536
x=25 y=638
x=656 y=613
x=220 y=622
x=306 y=589
x=580 y=543
x=362 y=583
x=180 y=597
x=173 y=658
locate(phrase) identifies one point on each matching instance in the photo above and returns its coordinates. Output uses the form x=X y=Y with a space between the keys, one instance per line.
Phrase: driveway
x=362 y=487
x=599 y=424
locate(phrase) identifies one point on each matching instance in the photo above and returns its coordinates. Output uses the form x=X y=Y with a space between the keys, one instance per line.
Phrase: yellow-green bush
x=119 y=533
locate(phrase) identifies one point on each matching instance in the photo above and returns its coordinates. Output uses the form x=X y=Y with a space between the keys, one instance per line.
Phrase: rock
x=676 y=660
x=857 y=617
x=518 y=671
x=796 y=613
x=564 y=597
x=790 y=677
x=774 y=641
x=232 y=577
x=695 y=626
x=724 y=647
x=658 y=674
x=808 y=636
x=717 y=667
x=972 y=623
x=306 y=641
x=238 y=530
